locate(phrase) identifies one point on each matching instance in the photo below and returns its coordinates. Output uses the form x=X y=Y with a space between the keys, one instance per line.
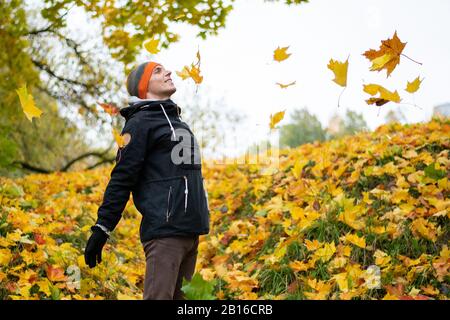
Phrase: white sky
x=238 y=66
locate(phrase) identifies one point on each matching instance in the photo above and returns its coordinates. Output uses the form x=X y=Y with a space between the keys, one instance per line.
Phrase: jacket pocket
x=166 y=199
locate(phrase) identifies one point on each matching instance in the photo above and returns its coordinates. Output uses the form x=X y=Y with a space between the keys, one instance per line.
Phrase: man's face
x=160 y=84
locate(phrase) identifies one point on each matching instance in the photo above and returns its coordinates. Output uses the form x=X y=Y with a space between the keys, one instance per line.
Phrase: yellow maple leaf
x=298 y=266
x=277 y=117
x=424 y=228
x=351 y=214
x=393 y=47
x=322 y=289
x=342 y=281
x=151 y=45
x=430 y=290
x=389 y=296
x=353 y=238
x=198 y=57
x=280 y=251
x=326 y=252
x=45 y=286
x=194 y=73
x=27 y=103
x=380 y=62
x=340 y=71
x=184 y=73
x=384 y=97
x=119 y=138
x=445 y=252
x=280 y=54
x=298 y=167
x=284 y=86
x=381 y=258
x=312 y=245
x=414 y=85
x=5 y=257
x=121 y=296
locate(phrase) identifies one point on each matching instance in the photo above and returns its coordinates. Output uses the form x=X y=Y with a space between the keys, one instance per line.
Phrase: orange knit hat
x=138 y=79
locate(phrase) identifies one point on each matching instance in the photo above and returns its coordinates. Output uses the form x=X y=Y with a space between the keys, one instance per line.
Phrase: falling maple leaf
x=388 y=56
x=280 y=54
x=284 y=86
x=119 y=138
x=184 y=73
x=340 y=71
x=277 y=117
x=414 y=85
x=27 y=103
x=109 y=108
x=151 y=45
x=198 y=58
x=385 y=95
x=192 y=72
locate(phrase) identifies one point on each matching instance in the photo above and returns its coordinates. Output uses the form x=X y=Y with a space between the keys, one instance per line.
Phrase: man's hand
x=93 y=251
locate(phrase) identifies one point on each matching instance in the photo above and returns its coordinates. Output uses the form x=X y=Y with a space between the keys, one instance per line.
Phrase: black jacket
x=161 y=167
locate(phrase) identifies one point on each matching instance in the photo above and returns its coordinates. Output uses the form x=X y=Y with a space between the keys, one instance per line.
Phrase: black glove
x=93 y=251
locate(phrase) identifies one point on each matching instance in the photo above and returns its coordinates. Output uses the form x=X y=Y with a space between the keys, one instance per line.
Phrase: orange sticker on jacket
x=126 y=138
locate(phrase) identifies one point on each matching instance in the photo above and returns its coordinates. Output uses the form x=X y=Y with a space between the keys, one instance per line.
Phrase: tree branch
x=101 y=155
x=85 y=155
x=47 y=69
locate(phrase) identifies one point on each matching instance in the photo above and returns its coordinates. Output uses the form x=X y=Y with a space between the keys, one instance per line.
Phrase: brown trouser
x=168 y=261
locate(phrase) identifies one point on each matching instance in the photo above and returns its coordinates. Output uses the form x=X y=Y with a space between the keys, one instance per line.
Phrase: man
x=160 y=165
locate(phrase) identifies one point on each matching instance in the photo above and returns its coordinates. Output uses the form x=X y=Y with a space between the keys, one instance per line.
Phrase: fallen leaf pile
x=362 y=217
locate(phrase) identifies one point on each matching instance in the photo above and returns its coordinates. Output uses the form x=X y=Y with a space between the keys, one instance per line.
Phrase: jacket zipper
x=206 y=194
x=168 y=198
x=185 y=193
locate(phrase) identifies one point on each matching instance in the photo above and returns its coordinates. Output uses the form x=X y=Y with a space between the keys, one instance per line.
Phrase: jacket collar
x=136 y=104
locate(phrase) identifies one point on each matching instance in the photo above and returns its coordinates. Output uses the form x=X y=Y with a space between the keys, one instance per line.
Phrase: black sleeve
x=125 y=174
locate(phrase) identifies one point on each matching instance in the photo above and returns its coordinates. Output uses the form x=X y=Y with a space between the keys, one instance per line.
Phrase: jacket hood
x=136 y=104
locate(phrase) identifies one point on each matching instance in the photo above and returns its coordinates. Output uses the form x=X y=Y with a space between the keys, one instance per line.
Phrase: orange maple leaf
x=109 y=108
x=55 y=273
x=388 y=56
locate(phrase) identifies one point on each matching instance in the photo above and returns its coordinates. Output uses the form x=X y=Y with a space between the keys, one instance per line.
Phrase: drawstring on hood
x=137 y=104
x=170 y=123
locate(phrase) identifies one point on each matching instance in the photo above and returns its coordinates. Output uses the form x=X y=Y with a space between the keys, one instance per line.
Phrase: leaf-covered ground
x=363 y=217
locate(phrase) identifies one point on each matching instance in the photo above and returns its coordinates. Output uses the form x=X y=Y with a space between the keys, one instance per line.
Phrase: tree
x=394 y=116
x=352 y=123
x=52 y=143
x=76 y=70
x=304 y=128
x=70 y=68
